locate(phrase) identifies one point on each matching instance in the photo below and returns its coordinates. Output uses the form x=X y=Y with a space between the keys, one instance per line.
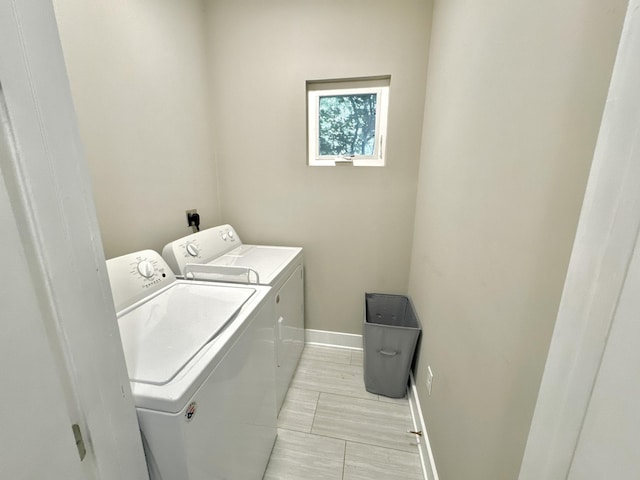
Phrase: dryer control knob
x=192 y=250
x=145 y=268
x=230 y=234
x=224 y=236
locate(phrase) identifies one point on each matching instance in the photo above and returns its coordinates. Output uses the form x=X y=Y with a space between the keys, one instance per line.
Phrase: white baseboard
x=424 y=447
x=333 y=339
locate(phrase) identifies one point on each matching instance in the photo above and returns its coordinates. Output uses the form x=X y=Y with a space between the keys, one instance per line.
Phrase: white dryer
x=218 y=254
x=199 y=357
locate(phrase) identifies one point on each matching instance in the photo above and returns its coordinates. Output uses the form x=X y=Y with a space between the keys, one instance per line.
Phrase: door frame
x=603 y=248
x=50 y=194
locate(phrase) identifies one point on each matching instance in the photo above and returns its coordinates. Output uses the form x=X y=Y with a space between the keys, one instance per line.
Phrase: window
x=347 y=122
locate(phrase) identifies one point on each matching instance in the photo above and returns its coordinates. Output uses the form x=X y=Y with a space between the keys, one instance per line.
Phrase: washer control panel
x=136 y=275
x=227 y=234
x=146 y=268
x=200 y=247
x=149 y=270
x=192 y=249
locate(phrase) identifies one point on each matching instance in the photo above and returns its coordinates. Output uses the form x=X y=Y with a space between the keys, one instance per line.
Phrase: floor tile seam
x=384 y=425
x=337 y=348
x=305 y=401
x=326 y=437
x=328 y=369
x=324 y=349
x=385 y=409
x=315 y=411
x=328 y=353
x=385 y=447
x=364 y=443
x=323 y=352
x=363 y=398
x=308 y=404
x=316 y=361
x=340 y=394
x=290 y=429
x=315 y=393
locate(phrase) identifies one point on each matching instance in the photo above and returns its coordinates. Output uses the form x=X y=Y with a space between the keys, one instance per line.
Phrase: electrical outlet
x=189 y=213
x=193 y=220
x=429 y=379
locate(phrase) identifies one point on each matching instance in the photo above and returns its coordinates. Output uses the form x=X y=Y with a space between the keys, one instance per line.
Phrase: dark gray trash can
x=391 y=331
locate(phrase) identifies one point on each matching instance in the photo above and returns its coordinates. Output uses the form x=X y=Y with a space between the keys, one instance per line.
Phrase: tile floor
x=330 y=427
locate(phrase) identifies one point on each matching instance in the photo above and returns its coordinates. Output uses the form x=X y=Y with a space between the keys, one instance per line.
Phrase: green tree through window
x=347 y=124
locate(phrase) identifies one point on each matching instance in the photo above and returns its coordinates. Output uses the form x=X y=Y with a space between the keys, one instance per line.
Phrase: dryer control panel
x=200 y=247
x=137 y=275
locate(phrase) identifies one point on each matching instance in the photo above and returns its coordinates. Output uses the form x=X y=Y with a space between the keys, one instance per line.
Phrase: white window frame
x=316 y=90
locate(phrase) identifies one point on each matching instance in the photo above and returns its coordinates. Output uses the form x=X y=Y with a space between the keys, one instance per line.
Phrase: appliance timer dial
x=192 y=250
x=145 y=268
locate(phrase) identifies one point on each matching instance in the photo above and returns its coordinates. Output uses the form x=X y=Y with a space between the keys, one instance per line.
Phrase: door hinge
x=77 y=434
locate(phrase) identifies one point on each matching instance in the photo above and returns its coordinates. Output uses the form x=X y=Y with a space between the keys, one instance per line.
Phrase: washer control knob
x=145 y=268
x=224 y=237
x=192 y=250
x=231 y=234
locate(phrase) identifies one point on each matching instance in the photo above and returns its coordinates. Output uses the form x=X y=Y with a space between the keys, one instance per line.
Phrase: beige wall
x=167 y=90
x=138 y=77
x=354 y=223
x=515 y=93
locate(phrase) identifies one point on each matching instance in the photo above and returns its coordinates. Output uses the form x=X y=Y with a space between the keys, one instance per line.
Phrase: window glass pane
x=347 y=124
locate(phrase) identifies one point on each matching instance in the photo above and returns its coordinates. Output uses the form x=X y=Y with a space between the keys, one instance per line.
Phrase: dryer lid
x=267 y=261
x=160 y=336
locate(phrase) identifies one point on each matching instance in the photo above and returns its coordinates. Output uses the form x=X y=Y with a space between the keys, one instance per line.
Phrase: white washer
x=218 y=254
x=199 y=357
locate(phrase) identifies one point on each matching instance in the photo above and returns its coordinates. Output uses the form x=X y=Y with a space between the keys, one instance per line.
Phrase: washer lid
x=161 y=335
